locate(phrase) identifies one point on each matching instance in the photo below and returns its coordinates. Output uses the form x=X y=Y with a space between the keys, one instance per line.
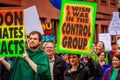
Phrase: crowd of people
x=44 y=63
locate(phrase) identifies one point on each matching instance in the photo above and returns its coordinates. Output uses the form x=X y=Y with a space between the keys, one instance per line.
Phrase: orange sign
x=76 y=28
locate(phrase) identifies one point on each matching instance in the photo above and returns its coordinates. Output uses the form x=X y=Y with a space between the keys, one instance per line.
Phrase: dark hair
x=102 y=52
x=113 y=43
x=36 y=32
x=117 y=56
x=73 y=54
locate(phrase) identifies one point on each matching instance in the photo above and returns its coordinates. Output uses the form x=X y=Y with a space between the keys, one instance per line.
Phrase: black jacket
x=110 y=55
x=59 y=68
x=81 y=73
x=95 y=70
x=0 y=71
x=4 y=73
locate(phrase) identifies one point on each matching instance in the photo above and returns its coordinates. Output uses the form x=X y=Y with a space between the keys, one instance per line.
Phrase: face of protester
x=34 y=41
x=102 y=56
x=49 y=49
x=115 y=62
x=114 y=46
x=74 y=59
x=99 y=46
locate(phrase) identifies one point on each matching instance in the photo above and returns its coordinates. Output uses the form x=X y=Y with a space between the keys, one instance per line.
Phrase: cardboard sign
x=76 y=27
x=32 y=21
x=11 y=33
x=48 y=32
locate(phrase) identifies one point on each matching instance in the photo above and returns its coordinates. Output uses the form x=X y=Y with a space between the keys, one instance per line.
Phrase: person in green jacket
x=33 y=65
x=97 y=49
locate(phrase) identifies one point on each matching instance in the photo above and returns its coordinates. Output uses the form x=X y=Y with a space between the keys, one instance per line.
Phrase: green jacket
x=95 y=57
x=21 y=70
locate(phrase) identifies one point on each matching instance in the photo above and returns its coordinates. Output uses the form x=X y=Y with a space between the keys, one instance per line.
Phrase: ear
x=40 y=43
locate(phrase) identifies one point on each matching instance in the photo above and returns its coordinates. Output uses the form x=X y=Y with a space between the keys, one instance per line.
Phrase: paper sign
x=114 y=28
x=32 y=21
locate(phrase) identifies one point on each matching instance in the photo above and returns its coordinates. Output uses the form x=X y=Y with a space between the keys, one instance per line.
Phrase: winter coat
x=108 y=73
x=81 y=73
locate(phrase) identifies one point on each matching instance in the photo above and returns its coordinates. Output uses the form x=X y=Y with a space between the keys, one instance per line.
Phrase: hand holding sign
x=1 y=59
x=25 y=56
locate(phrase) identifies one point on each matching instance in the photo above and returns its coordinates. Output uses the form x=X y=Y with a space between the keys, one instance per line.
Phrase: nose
x=31 y=40
x=71 y=59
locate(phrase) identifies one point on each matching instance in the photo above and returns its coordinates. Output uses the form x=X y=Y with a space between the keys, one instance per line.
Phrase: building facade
x=48 y=13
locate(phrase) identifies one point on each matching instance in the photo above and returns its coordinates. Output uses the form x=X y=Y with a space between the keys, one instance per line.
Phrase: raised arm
x=30 y=62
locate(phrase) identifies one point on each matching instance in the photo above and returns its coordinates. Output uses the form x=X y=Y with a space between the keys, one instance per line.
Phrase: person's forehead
x=114 y=57
x=72 y=55
x=100 y=43
x=33 y=35
x=114 y=44
x=102 y=53
x=49 y=45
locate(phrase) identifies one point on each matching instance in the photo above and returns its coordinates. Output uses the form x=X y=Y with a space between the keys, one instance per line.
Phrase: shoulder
x=42 y=52
x=59 y=61
x=108 y=70
x=83 y=70
x=57 y=58
x=82 y=67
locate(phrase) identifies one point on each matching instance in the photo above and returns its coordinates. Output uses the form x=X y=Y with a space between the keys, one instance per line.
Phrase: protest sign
x=114 y=27
x=32 y=21
x=48 y=32
x=11 y=33
x=76 y=27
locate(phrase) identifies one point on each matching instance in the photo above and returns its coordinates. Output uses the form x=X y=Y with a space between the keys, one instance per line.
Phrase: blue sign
x=46 y=38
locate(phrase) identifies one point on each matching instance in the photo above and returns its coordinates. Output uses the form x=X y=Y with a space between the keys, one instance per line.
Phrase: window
x=113 y=2
x=92 y=0
x=55 y=26
x=104 y=2
x=96 y=33
x=113 y=37
x=103 y=28
x=95 y=0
